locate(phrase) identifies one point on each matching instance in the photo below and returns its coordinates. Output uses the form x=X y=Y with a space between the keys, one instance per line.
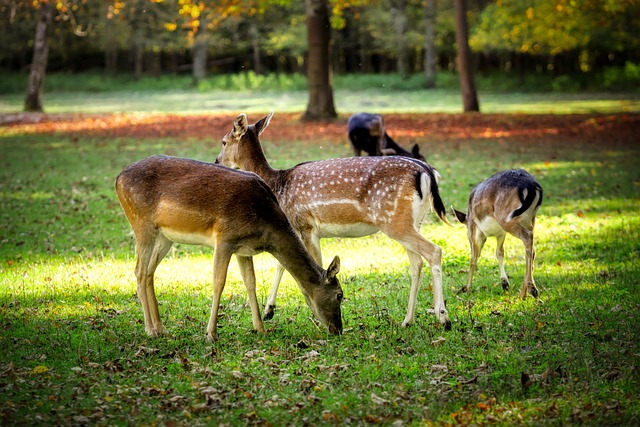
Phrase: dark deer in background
x=507 y=202
x=367 y=133
x=169 y=200
x=349 y=197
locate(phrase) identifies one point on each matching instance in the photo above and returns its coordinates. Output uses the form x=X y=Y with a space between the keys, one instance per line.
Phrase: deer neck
x=291 y=253
x=255 y=161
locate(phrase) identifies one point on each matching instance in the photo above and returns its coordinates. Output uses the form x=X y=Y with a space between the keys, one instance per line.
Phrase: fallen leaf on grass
x=310 y=355
x=438 y=341
x=469 y=381
x=439 y=368
x=378 y=400
x=142 y=350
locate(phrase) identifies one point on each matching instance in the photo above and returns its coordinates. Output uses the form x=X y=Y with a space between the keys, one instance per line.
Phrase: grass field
x=251 y=93
x=73 y=349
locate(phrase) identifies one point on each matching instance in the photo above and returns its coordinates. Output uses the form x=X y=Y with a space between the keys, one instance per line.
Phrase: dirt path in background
x=406 y=128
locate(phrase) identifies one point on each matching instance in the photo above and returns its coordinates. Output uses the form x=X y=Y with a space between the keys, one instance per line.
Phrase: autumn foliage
x=407 y=128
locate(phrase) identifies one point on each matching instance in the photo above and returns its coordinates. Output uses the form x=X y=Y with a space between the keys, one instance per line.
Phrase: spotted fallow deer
x=168 y=199
x=349 y=197
x=507 y=202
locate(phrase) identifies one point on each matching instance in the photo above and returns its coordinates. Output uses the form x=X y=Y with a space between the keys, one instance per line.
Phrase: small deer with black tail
x=167 y=200
x=507 y=202
x=349 y=197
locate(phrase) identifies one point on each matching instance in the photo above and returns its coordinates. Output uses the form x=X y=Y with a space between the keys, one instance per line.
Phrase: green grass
x=248 y=92
x=73 y=348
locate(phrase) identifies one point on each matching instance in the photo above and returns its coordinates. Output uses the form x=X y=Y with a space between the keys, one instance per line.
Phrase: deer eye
x=224 y=142
x=340 y=297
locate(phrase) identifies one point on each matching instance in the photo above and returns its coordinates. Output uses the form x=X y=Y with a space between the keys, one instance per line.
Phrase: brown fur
x=168 y=200
x=349 y=197
x=507 y=202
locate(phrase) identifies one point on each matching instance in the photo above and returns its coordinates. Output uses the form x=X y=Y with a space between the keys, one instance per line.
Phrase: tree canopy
x=270 y=35
x=551 y=27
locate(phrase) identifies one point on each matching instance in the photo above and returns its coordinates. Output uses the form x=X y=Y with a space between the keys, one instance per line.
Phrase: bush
x=566 y=83
x=618 y=78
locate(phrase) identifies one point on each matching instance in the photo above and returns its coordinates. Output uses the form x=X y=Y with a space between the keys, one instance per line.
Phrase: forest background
x=568 y=45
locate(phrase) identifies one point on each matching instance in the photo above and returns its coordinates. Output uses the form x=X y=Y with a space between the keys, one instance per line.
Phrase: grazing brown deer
x=367 y=133
x=167 y=200
x=507 y=202
x=349 y=197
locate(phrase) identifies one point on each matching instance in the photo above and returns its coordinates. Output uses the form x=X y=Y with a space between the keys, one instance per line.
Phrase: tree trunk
x=430 y=58
x=469 y=96
x=33 y=100
x=255 y=48
x=111 y=57
x=320 y=104
x=200 y=48
x=138 y=59
x=399 y=14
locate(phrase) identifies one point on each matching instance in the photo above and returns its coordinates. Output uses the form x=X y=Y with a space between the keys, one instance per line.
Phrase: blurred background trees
x=374 y=36
x=204 y=37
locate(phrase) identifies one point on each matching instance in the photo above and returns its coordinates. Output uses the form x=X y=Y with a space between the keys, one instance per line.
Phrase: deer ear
x=334 y=268
x=262 y=124
x=240 y=125
x=462 y=217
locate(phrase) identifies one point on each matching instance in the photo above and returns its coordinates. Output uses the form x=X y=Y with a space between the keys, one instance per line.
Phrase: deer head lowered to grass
x=367 y=133
x=507 y=202
x=349 y=197
x=167 y=200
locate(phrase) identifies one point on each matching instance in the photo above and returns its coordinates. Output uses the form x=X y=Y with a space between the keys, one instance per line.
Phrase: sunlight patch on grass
x=22 y=195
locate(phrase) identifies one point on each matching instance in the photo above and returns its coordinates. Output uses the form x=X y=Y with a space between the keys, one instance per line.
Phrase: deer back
x=191 y=201
x=505 y=196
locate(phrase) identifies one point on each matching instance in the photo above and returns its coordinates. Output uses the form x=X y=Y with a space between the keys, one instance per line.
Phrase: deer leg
x=249 y=279
x=415 y=268
x=528 y=286
x=270 y=307
x=476 y=243
x=504 y=279
x=221 y=259
x=414 y=242
x=150 y=253
x=312 y=243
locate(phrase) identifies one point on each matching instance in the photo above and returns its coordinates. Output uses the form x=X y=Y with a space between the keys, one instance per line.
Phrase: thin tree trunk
x=200 y=48
x=320 y=105
x=111 y=56
x=467 y=84
x=33 y=100
x=399 y=13
x=138 y=58
x=430 y=58
x=255 y=48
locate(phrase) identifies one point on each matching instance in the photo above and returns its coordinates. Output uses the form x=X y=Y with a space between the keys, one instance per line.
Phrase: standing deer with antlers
x=507 y=202
x=349 y=197
x=167 y=200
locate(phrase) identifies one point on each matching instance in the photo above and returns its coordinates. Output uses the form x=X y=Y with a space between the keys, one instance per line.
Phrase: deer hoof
x=505 y=283
x=155 y=332
x=463 y=290
x=269 y=312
